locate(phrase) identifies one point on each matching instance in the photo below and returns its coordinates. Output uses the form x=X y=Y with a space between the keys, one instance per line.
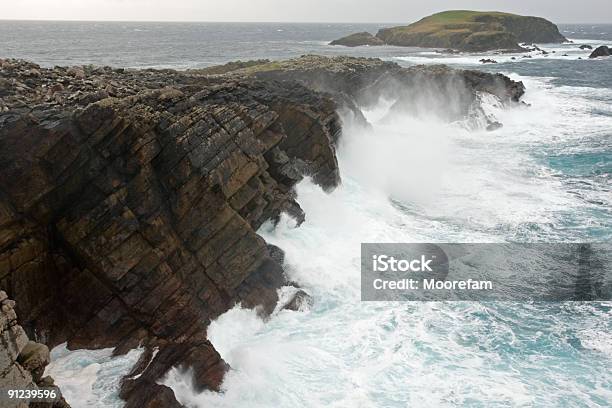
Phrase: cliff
x=130 y=199
x=22 y=361
x=472 y=31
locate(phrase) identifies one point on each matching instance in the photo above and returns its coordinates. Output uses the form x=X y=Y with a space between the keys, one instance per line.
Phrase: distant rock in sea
x=466 y=30
x=585 y=47
x=602 y=51
x=357 y=39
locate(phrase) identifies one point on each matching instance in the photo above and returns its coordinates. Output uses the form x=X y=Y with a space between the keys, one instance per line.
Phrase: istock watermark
x=479 y=272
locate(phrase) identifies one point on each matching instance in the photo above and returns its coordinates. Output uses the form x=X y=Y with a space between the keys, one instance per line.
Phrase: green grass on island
x=467 y=30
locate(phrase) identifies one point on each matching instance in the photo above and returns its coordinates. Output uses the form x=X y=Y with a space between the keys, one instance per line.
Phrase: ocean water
x=544 y=177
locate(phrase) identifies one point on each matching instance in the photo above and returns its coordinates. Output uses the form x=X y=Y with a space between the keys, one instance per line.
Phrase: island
x=465 y=30
x=357 y=39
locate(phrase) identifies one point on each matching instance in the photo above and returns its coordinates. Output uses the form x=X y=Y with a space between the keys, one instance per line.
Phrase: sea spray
x=470 y=187
x=90 y=378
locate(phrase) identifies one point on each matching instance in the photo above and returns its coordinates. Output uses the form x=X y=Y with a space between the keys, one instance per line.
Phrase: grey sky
x=559 y=11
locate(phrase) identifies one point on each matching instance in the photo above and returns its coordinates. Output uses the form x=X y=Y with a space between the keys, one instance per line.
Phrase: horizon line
x=231 y=22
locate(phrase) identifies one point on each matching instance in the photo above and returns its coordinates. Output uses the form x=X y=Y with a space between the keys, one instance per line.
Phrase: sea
x=545 y=176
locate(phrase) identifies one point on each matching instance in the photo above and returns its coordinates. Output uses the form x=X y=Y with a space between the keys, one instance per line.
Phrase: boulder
x=299 y=301
x=22 y=361
x=585 y=47
x=34 y=357
x=602 y=51
x=488 y=61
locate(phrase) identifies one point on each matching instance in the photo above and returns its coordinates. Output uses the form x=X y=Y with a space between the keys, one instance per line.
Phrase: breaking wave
x=419 y=180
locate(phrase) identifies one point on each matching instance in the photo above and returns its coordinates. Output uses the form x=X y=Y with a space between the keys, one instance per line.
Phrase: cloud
x=293 y=10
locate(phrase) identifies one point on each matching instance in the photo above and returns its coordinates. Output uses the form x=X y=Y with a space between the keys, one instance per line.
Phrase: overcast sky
x=559 y=11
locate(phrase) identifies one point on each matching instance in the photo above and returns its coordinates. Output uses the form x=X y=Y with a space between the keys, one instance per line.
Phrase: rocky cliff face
x=130 y=200
x=450 y=94
x=22 y=361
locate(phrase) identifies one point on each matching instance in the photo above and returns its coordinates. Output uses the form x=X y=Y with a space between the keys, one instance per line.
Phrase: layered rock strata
x=354 y=83
x=130 y=199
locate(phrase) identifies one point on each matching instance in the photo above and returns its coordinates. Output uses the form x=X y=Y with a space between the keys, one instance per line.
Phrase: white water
x=555 y=52
x=90 y=378
x=449 y=184
x=454 y=186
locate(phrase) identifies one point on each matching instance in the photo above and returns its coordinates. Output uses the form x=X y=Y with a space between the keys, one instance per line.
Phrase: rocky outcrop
x=601 y=51
x=22 y=361
x=130 y=200
x=358 y=39
x=352 y=82
x=466 y=30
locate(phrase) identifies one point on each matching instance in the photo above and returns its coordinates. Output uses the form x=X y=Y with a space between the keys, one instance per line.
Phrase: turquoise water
x=544 y=177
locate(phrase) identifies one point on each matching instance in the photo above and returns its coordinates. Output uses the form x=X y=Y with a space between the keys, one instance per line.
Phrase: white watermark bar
x=556 y=272
x=22 y=396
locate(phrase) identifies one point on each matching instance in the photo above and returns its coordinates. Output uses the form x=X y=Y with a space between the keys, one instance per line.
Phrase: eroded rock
x=130 y=199
x=601 y=51
x=299 y=301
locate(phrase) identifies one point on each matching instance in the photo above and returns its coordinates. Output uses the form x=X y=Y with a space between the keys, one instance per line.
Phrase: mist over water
x=419 y=180
x=543 y=177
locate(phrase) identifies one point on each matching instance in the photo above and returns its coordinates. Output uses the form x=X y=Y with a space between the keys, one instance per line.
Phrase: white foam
x=90 y=378
x=555 y=52
x=452 y=185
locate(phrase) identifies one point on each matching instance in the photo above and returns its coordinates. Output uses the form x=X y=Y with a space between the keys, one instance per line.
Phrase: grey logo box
x=486 y=272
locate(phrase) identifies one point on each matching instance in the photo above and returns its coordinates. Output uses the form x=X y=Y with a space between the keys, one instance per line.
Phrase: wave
x=413 y=179
x=566 y=51
x=90 y=378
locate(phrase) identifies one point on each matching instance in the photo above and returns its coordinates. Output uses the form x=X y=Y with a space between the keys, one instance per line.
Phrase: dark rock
x=494 y=126
x=357 y=39
x=131 y=198
x=299 y=301
x=133 y=219
x=488 y=61
x=276 y=254
x=602 y=51
x=585 y=47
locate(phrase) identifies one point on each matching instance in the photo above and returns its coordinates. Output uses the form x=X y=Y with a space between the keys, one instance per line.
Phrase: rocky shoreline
x=130 y=199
